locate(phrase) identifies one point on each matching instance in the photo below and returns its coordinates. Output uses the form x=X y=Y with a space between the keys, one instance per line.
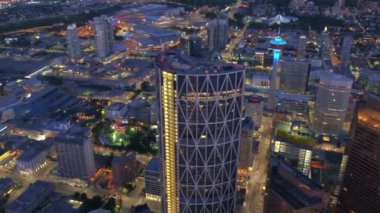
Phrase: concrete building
x=104 y=36
x=124 y=169
x=201 y=114
x=34 y=196
x=290 y=191
x=217 y=34
x=152 y=180
x=116 y=110
x=361 y=183
x=301 y=47
x=73 y=42
x=346 y=49
x=331 y=104
x=75 y=154
x=33 y=157
x=294 y=76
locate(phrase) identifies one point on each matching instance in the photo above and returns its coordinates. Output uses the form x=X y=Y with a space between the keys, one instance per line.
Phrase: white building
x=75 y=154
x=217 y=34
x=104 y=36
x=73 y=42
x=332 y=102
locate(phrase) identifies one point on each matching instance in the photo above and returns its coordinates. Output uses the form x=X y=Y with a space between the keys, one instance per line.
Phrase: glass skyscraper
x=200 y=125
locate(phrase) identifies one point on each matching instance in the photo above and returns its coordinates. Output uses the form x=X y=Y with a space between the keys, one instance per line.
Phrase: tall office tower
x=73 y=43
x=200 y=124
x=325 y=46
x=217 y=34
x=346 y=48
x=290 y=191
x=301 y=48
x=246 y=153
x=75 y=154
x=332 y=102
x=294 y=76
x=104 y=36
x=193 y=45
x=277 y=45
x=152 y=180
x=360 y=190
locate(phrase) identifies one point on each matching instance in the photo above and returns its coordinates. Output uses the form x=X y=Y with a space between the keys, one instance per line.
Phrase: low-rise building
x=116 y=110
x=33 y=157
x=34 y=196
x=124 y=169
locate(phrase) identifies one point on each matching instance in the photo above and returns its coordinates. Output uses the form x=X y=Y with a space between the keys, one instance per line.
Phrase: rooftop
x=116 y=106
x=180 y=63
x=153 y=165
x=30 y=196
x=294 y=187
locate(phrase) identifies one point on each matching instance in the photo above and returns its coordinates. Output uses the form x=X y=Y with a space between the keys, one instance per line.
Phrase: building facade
x=75 y=154
x=360 y=190
x=73 y=42
x=217 y=34
x=331 y=104
x=104 y=36
x=152 y=180
x=200 y=125
x=124 y=169
x=294 y=76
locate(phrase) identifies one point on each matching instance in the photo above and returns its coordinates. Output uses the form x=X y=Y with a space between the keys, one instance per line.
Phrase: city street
x=256 y=187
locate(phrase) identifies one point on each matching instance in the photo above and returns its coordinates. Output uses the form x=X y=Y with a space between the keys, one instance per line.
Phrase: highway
x=254 y=199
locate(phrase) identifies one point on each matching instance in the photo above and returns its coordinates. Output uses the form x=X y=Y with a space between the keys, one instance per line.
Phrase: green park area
x=136 y=136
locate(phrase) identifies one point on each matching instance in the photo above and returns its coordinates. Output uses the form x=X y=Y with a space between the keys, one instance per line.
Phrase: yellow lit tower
x=200 y=126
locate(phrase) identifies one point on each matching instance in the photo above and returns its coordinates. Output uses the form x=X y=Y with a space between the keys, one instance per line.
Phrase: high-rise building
x=290 y=191
x=346 y=49
x=75 y=154
x=217 y=34
x=73 y=42
x=332 y=102
x=325 y=46
x=277 y=44
x=360 y=190
x=193 y=45
x=152 y=180
x=294 y=76
x=301 y=48
x=246 y=153
x=201 y=113
x=104 y=36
